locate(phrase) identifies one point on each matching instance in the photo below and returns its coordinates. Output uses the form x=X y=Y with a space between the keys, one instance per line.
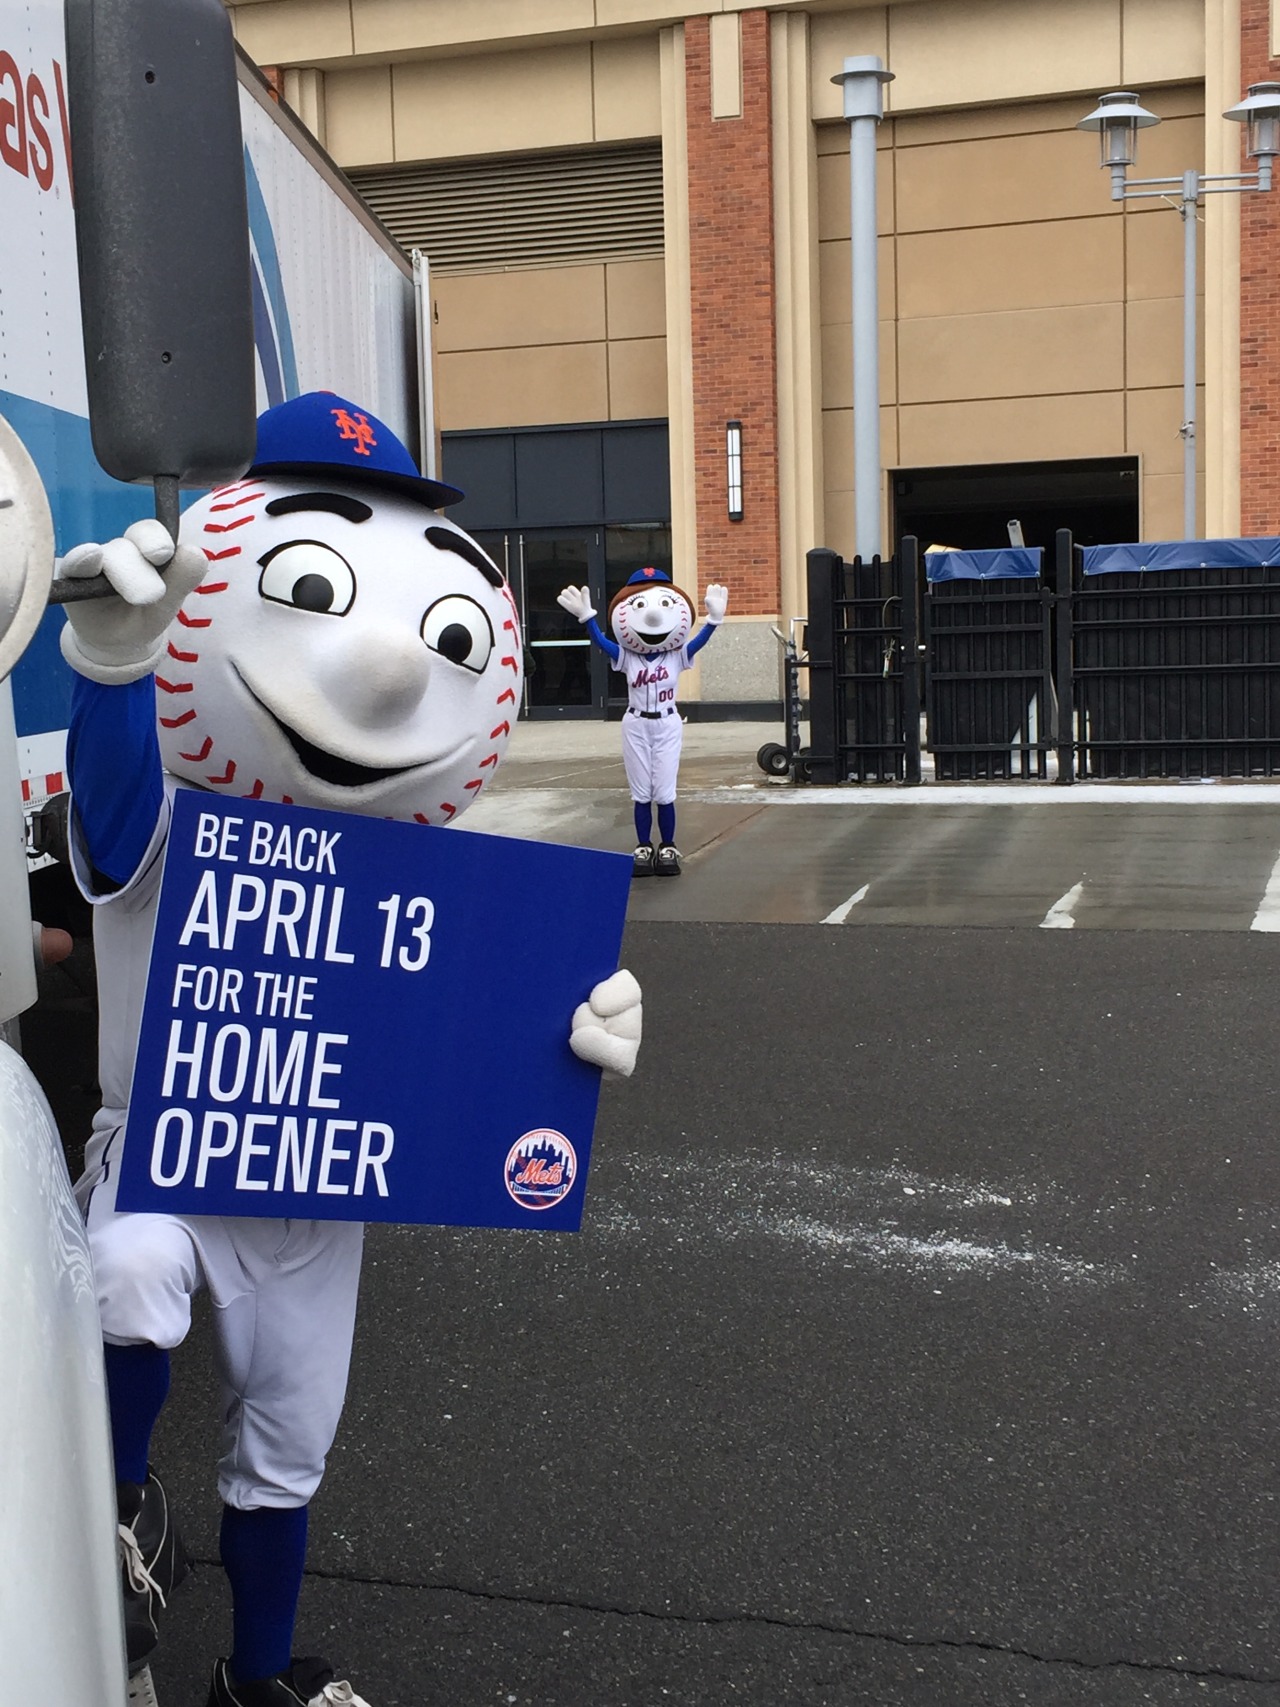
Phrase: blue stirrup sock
x=667 y=823
x=263 y=1553
x=137 y=1387
x=644 y=821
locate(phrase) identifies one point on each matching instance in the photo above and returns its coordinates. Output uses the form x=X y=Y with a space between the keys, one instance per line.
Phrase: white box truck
x=336 y=307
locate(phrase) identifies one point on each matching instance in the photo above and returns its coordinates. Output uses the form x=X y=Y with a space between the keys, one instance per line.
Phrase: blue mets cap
x=647 y=575
x=323 y=434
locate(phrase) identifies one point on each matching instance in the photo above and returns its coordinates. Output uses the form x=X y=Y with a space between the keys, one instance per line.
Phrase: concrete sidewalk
x=578 y=753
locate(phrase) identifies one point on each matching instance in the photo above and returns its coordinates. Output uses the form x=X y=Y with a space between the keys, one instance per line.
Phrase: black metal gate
x=1138 y=661
x=989 y=697
x=864 y=675
x=1176 y=663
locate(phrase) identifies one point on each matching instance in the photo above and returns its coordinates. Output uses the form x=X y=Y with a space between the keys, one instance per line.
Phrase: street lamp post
x=1118 y=118
x=863 y=80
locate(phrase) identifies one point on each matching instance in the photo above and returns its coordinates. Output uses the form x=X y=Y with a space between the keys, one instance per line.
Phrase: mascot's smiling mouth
x=318 y=761
x=328 y=767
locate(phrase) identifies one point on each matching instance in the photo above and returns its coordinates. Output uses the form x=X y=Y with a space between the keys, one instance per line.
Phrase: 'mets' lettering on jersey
x=651 y=681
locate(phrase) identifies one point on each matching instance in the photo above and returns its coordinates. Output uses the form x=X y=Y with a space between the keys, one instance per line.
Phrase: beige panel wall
x=1024 y=315
x=967 y=53
x=495 y=103
x=564 y=344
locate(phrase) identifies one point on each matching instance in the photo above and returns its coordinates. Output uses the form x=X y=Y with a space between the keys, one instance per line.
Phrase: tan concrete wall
x=493 y=103
x=969 y=53
x=1024 y=315
x=535 y=348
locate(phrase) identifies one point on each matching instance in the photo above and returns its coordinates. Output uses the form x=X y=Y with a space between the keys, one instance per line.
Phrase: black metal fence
x=864 y=675
x=1131 y=662
x=989 y=697
x=1176 y=670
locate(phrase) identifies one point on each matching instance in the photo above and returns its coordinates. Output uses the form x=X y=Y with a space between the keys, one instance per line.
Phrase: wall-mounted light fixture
x=733 y=467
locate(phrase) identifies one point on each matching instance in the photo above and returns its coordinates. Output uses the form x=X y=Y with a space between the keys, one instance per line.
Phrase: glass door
x=566 y=675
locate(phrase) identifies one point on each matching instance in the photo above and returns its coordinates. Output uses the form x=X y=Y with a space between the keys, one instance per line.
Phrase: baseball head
x=348 y=648
x=649 y=614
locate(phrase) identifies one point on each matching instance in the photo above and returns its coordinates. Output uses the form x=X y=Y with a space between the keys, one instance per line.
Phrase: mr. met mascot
x=321 y=635
x=650 y=621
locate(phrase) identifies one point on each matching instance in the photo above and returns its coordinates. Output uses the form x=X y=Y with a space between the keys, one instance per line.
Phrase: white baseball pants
x=651 y=755
x=284 y=1305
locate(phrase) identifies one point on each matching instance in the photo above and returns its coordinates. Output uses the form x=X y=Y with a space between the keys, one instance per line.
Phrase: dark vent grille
x=529 y=211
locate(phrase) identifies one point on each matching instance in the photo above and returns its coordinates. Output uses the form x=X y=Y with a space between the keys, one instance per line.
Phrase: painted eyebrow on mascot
x=322 y=636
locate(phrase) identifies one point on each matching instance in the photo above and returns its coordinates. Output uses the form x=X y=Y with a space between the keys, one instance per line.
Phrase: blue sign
x=356 y=1020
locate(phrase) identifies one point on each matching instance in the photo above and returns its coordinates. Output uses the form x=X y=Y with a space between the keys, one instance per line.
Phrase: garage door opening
x=971 y=508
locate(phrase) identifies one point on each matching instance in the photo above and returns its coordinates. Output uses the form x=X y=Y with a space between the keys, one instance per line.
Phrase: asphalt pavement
x=920 y=1343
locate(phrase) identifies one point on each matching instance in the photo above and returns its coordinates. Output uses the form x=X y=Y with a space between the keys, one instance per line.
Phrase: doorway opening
x=971 y=507
x=565 y=674
x=566 y=506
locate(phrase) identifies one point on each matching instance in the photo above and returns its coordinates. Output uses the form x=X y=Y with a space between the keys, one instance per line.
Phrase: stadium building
x=636 y=214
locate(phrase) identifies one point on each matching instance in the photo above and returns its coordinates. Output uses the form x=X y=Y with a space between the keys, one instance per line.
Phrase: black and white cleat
x=142 y=1692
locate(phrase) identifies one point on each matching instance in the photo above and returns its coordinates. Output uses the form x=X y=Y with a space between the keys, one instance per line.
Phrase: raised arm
x=117 y=782
x=113 y=645
x=717 y=606
x=577 y=601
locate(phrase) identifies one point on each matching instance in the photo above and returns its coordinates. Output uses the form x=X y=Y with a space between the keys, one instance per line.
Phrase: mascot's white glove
x=717 y=602
x=577 y=601
x=121 y=639
x=606 y=1027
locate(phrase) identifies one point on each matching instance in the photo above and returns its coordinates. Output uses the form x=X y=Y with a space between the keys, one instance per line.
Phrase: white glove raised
x=717 y=602
x=606 y=1027
x=577 y=601
x=122 y=639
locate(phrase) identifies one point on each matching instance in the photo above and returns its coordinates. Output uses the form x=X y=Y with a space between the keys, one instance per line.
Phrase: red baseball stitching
x=246 y=498
x=227 y=527
x=221 y=781
x=183 y=657
x=176 y=722
x=194 y=621
x=202 y=755
x=509 y=694
x=255 y=793
x=217 y=556
x=213 y=587
x=174 y=687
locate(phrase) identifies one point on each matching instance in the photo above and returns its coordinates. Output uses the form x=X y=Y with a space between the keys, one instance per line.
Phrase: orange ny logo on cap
x=355 y=427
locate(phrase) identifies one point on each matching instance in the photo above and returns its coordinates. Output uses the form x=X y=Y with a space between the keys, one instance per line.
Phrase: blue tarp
x=1154 y=556
x=1011 y=563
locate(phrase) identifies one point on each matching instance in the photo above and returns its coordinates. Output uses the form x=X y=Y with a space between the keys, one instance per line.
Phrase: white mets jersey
x=651 y=679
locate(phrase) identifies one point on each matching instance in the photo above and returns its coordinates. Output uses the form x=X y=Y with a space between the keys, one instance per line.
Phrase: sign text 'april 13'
x=319 y=1032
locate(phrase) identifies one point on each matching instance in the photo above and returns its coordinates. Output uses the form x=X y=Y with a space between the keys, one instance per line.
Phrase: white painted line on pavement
x=1267 y=917
x=841 y=913
x=1061 y=916
x=993 y=794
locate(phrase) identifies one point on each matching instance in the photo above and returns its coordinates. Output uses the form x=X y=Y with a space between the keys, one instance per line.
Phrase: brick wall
x=1259 y=311
x=734 y=369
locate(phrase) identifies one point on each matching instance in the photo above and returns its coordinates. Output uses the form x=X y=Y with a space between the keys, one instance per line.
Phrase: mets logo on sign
x=541 y=1168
